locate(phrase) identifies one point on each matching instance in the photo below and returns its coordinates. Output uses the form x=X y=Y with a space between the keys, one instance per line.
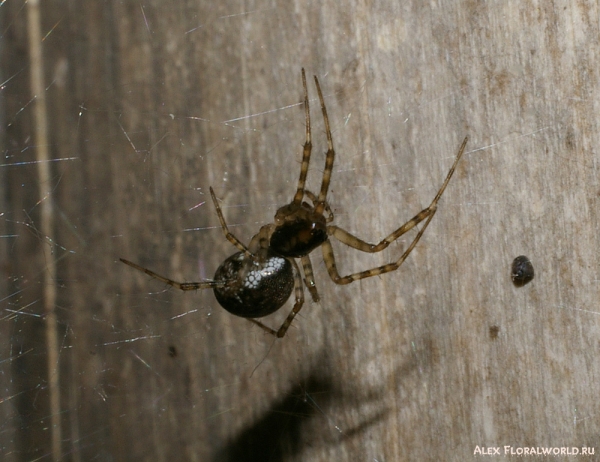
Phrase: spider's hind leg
x=299 y=295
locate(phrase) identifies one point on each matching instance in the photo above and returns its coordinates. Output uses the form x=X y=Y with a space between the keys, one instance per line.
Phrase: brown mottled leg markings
x=330 y=157
x=230 y=237
x=177 y=285
x=307 y=148
x=332 y=267
x=352 y=241
x=346 y=238
x=328 y=212
x=309 y=278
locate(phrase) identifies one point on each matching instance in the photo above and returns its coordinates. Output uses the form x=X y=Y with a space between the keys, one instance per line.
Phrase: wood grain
x=156 y=102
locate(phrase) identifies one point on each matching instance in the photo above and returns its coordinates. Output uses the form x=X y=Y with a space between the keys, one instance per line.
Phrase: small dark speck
x=494 y=330
x=172 y=351
x=522 y=271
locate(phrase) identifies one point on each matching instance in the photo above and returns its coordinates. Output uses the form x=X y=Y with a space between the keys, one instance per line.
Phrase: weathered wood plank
x=157 y=102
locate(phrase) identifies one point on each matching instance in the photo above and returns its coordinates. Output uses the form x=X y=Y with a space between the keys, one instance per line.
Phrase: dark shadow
x=288 y=427
x=278 y=434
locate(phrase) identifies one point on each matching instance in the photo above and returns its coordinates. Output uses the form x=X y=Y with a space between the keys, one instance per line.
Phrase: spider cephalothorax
x=298 y=230
x=258 y=279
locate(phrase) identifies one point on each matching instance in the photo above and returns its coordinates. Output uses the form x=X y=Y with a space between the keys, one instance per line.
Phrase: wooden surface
x=154 y=103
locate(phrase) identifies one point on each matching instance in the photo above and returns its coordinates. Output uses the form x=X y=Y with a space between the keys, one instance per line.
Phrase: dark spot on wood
x=522 y=271
x=494 y=330
x=570 y=140
x=172 y=351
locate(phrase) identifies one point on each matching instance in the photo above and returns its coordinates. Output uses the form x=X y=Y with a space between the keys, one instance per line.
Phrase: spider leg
x=230 y=237
x=451 y=172
x=329 y=259
x=352 y=241
x=313 y=198
x=309 y=278
x=177 y=285
x=299 y=294
x=320 y=203
x=307 y=147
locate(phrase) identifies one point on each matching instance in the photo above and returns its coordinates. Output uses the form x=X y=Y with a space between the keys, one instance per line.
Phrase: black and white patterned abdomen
x=254 y=289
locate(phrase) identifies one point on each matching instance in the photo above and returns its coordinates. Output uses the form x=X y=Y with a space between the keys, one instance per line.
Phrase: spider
x=258 y=279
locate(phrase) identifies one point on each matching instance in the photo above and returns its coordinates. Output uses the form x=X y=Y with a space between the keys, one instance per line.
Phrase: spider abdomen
x=255 y=288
